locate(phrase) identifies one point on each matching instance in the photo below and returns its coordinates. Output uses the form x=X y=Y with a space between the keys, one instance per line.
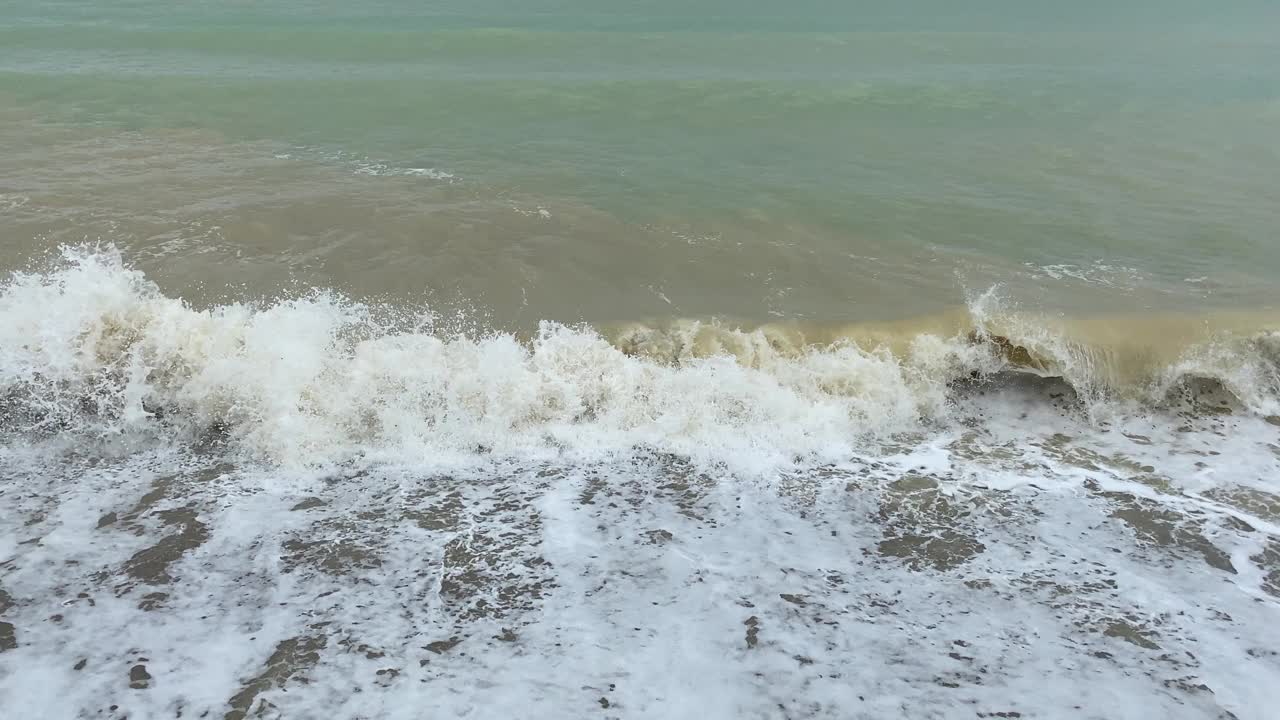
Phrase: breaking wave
x=92 y=351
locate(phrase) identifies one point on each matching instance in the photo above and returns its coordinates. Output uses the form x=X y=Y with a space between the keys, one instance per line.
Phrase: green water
x=1132 y=135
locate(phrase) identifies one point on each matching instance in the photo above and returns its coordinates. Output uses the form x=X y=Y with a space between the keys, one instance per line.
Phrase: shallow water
x=842 y=362
x=1023 y=564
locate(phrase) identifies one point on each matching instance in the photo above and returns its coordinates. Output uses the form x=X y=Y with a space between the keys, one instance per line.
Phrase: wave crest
x=91 y=349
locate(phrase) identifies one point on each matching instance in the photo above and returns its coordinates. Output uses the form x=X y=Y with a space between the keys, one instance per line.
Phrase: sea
x=713 y=359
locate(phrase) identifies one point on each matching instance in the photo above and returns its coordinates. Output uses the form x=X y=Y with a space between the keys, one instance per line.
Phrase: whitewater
x=313 y=507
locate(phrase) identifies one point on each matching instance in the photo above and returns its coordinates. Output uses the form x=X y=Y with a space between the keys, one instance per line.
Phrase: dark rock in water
x=291 y=658
x=139 y=678
x=153 y=601
x=1130 y=634
x=8 y=637
x=309 y=503
x=658 y=537
x=753 y=631
x=1016 y=355
x=1273 y=419
x=152 y=564
x=914 y=502
x=440 y=647
x=1269 y=562
x=1168 y=528
x=1203 y=397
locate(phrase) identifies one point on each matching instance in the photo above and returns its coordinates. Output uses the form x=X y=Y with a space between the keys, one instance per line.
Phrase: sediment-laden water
x=722 y=361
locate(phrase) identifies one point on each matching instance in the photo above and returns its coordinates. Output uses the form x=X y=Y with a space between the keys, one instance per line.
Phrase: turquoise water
x=1137 y=136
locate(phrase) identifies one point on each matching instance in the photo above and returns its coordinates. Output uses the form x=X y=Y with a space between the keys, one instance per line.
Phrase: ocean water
x=718 y=360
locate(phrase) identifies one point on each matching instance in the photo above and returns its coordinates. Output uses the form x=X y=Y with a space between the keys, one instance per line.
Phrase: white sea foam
x=91 y=349
x=95 y=346
x=675 y=522
x=1097 y=273
x=1007 y=569
x=367 y=167
x=364 y=165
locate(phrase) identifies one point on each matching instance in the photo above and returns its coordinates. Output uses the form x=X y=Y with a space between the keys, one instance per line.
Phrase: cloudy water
x=734 y=360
